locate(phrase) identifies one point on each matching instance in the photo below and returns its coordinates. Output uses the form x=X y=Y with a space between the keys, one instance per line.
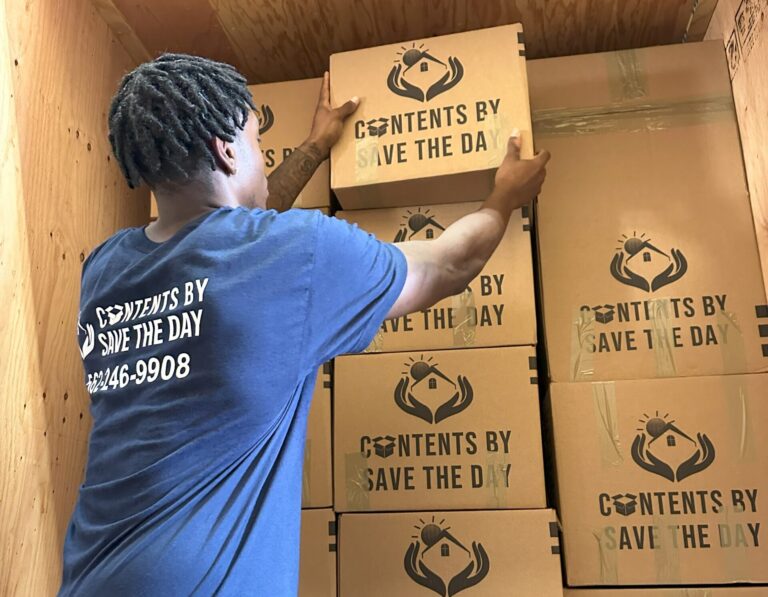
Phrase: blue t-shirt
x=200 y=355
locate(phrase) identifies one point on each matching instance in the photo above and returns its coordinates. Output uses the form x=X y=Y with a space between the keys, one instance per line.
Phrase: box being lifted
x=285 y=113
x=434 y=119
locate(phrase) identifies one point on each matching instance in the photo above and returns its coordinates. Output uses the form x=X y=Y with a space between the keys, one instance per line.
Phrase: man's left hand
x=329 y=122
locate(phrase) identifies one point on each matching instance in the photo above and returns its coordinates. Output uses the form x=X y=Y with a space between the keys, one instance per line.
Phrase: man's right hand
x=518 y=181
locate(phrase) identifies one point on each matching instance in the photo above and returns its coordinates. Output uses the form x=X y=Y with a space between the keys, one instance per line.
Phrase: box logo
x=438 y=561
x=266 y=118
x=417 y=74
x=419 y=223
x=664 y=449
x=639 y=263
x=441 y=397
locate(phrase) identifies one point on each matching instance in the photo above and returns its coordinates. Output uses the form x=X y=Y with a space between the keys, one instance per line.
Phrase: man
x=201 y=335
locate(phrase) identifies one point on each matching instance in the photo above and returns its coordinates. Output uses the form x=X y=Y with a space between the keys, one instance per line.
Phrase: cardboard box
x=499 y=309
x=447 y=430
x=285 y=113
x=670 y=592
x=742 y=25
x=664 y=481
x=317 y=568
x=317 y=485
x=648 y=257
x=513 y=552
x=434 y=119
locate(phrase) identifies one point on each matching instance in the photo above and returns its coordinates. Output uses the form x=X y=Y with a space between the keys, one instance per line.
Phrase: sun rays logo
x=418 y=223
x=663 y=449
x=266 y=118
x=417 y=74
x=438 y=561
x=639 y=263
x=438 y=396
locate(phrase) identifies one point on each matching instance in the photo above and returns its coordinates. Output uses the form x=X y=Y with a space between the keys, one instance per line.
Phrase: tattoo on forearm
x=287 y=181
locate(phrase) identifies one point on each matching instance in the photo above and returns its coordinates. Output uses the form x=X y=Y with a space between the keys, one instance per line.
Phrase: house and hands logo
x=424 y=391
x=437 y=560
x=417 y=74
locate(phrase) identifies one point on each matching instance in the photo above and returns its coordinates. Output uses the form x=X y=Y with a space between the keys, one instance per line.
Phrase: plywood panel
x=66 y=197
x=290 y=39
x=189 y=26
x=743 y=27
x=277 y=40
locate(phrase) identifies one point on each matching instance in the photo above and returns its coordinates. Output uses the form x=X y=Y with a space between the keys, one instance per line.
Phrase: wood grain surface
x=62 y=196
x=278 y=40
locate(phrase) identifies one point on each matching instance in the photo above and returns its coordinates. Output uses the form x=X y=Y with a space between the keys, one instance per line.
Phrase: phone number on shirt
x=144 y=371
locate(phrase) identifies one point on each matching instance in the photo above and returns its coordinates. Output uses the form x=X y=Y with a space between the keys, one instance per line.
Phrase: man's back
x=200 y=355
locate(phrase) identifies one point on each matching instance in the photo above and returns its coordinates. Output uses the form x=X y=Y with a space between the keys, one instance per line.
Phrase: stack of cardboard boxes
x=438 y=467
x=654 y=316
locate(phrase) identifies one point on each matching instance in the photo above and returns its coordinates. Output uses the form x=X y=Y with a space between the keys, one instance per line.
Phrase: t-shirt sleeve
x=355 y=281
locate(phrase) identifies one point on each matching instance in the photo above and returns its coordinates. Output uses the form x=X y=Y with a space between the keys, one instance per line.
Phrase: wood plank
x=189 y=26
x=291 y=39
x=66 y=197
x=743 y=27
x=122 y=30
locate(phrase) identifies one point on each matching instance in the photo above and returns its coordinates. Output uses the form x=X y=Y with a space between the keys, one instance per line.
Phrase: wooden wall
x=743 y=27
x=279 y=40
x=62 y=195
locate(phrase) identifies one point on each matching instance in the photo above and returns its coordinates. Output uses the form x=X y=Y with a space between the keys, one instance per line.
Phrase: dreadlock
x=166 y=112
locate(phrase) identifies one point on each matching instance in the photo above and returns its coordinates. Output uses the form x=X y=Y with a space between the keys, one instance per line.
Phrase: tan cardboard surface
x=434 y=119
x=317 y=569
x=668 y=592
x=456 y=429
x=663 y=481
x=474 y=554
x=317 y=485
x=285 y=112
x=499 y=309
x=743 y=27
x=647 y=249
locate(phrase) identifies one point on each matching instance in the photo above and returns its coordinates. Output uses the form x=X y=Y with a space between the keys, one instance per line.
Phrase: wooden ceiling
x=277 y=40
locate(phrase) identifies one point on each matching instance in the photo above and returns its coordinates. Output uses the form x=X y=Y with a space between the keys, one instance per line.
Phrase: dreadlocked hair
x=166 y=112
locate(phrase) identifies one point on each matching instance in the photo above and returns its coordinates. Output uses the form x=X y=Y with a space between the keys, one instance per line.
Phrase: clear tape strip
x=465 y=314
x=355 y=476
x=631 y=118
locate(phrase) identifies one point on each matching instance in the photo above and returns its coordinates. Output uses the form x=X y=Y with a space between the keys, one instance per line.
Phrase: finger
x=325 y=91
x=542 y=157
x=348 y=108
x=513 y=145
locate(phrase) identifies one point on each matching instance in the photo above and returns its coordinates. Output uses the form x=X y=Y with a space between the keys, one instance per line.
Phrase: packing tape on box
x=608 y=558
x=356 y=481
x=661 y=326
x=496 y=482
x=632 y=118
x=582 y=360
x=626 y=77
x=465 y=313
x=366 y=170
x=606 y=420
x=666 y=559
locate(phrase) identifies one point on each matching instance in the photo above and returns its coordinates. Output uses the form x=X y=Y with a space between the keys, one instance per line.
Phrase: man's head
x=181 y=120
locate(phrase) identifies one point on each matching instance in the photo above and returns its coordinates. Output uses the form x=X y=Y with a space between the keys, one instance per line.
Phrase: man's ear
x=224 y=155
